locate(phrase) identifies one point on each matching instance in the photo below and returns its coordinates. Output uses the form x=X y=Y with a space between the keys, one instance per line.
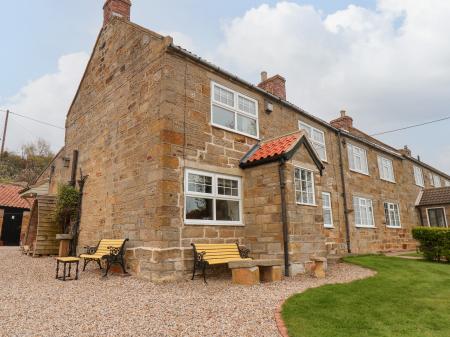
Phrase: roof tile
x=435 y=196
x=9 y=197
x=274 y=147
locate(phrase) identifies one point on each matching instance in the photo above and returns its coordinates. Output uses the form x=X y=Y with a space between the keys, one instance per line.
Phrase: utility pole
x=4 y=134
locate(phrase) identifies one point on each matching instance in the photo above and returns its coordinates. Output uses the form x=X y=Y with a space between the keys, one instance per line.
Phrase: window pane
x=304 y=187
x=227 y=210
x=223 y=96
x=199 y=208
x=199 y=183
x=306 y=128
x=247 y=105
x=318 y=136
x=436 y=217
x=246 y=125
x=320 y=150
x=227 y=187
x=223 y=117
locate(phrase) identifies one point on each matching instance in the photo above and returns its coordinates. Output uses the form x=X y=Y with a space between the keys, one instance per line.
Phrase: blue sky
x=387 y=61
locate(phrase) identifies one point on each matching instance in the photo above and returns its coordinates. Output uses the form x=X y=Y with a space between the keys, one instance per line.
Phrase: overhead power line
x=37 y=121
x=411 y=126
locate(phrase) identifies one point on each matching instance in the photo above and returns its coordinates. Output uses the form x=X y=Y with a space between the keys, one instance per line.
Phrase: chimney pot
x=343 y=112
x=263 y=76
x=111 y=8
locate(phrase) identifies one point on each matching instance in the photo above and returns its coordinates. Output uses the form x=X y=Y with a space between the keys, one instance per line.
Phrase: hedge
x=434 y=242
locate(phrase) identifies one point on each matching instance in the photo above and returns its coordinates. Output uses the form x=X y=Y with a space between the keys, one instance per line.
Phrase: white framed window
x=436 y=181
x=363 y=212
x=392 y=215
x=327 y=211
x=436 y=217
x=386 y=169
x=357 y=159
x=304 y=186
x=418 y=176
x=234 y=111
x=212 y=198
x=447 y=183
x=317 y=138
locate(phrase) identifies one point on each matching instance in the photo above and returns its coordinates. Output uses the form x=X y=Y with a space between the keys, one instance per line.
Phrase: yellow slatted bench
x=111 y=250
x=213 y=254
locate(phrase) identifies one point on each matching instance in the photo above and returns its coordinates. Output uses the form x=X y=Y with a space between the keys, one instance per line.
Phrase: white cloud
x=46 y=98
x=389 y=67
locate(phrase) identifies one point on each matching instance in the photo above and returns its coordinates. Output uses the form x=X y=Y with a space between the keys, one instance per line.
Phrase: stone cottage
x=178 y=150
x=14 y=214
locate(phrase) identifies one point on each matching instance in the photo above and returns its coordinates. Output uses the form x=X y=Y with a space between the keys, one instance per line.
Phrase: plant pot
x=64 y=236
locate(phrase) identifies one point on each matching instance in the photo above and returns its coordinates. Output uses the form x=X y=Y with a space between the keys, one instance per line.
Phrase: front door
x=12 y=223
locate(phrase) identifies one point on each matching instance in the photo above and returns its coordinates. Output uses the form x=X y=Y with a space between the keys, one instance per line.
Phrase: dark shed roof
x=435 y=196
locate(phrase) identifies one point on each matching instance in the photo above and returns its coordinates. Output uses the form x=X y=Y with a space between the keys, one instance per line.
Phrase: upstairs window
x=327 y=211
x=304 y=186
x=392 y=214
x=447 y=183
x=212 y=198
x=436 y=181
x=317 y=138
x=363 y=212
x=357 y=159
x=233 y=111
x=418 y=176
x=386 y=169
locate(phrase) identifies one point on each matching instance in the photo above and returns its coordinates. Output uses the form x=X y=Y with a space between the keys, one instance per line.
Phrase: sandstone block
x=245 y=276
x=270 y=273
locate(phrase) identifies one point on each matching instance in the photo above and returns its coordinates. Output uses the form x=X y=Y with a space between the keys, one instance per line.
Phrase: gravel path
x=33 y=303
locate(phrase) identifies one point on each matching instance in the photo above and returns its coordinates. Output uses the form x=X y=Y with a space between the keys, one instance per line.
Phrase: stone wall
x=142 y=115
x=2 y=212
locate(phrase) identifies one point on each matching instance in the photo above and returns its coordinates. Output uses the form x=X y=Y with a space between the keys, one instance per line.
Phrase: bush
x=434 y=242
x=66 y=206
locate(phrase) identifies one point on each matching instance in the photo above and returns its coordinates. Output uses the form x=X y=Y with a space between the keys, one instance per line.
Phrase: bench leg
x=108 y=264
x=76 y=275
x=64 y=276
x=122 y=263
x=70 y=267
x=85 y=264
x=57 y=268
x=204 y=274
x=100 y=264
x=193 y=272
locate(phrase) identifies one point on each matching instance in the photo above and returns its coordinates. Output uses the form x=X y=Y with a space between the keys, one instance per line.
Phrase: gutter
x=284 y=218
x=344 y=194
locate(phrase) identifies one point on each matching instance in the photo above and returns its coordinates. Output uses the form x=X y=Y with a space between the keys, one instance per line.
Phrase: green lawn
x=406 y=298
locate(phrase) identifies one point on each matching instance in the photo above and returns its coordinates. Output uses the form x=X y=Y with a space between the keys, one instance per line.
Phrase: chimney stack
x=276 y=85
x=405 y=151
x=344 y=122
x=120 y=8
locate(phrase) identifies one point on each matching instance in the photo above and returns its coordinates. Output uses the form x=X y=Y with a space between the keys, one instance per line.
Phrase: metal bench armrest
x=243 y=252
x=90 y=250
x=115 y=251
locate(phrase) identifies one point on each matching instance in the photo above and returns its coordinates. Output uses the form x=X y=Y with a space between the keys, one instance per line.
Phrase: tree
x=27 y=166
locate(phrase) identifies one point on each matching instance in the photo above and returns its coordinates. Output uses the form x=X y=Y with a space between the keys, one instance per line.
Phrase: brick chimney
x=276 y=85
x=344 y=122
x=121 y=8
x=405 y=151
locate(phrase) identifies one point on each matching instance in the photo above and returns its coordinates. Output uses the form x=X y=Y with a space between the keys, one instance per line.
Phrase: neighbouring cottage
x=14 y=214
x=434 y=206
x=178 y=150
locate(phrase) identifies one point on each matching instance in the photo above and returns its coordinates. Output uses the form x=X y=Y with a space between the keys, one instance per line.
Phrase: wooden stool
x=67 y=260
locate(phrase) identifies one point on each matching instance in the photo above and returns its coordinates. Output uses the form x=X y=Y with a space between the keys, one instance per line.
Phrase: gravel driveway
x=33 y=303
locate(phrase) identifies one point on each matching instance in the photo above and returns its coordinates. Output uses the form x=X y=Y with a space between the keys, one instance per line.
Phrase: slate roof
x=435 y=196
x=284 y=146
x=9 y=197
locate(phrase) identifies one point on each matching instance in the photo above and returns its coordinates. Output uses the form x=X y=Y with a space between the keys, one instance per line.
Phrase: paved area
x=33 y=303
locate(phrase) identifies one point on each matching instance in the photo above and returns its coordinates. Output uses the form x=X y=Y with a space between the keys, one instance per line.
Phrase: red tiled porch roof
x=275 y=147
x=9 y=197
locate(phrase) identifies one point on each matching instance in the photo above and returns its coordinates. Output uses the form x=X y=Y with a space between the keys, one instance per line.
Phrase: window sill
x=388 y=181
x=302 y=204
x=328 y=227
x=234 y=131
x=367 y=227
x=394 y=227
x=360 y=172
x=220 y=224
